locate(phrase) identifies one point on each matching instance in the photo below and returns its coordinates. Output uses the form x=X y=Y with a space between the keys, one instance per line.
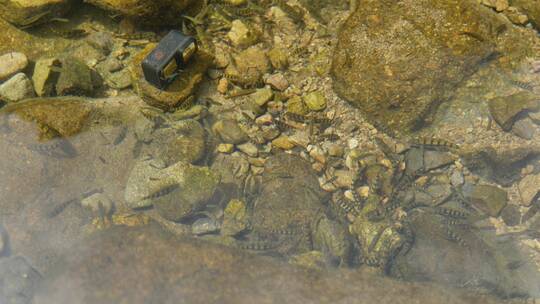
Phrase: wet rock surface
x=437 y=50
x=209 y=273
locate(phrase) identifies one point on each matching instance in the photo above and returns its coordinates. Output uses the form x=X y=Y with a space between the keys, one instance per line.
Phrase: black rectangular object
x=171 y=55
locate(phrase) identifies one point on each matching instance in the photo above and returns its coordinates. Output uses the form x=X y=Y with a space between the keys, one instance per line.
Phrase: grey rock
x=505 y=110
x=204 y=226
x=44 y=78
x=457 y=179
x=17 y=88
x=11 y=64
x=102 y=41
x=119 y=80
x=490 y=199
x=229 y=132
x=529 y=187
x=18 y=280
x=511 y=215
x=524 y=128
x=426 y=160
x=75 y=78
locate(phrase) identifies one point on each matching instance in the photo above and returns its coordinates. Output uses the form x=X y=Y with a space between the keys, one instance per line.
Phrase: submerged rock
x=202 y=272
x=18 y=281
x=505 y=110
x=28 y=13
x=531 y=8
x=17 y=88
x=529 y=187
x=179 y=90
x=44 y=77
x=176 y=191
x=490 y=199
x=164 y=12
x=75 y=78
x=11 y=64
x=397 y=61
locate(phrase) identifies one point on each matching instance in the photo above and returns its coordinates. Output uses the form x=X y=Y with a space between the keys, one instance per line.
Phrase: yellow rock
x=283 y=142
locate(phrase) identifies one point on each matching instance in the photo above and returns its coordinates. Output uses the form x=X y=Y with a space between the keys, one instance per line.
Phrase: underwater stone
x=529 y=187
x=262 y=96
x=248 y=148
x=102 y=41
x=152 y=12
x=296 y=105
x=75 y=78
x=511 y=215
x=505 y=110
x=315 y=101
x=44 y=78
x=283 y=142
x=229 y=131
x=11 y=64
x=196 y=184
x=27 y=13
x=179 y=90
x=279 y=58
x=204 y=226
x=422 y=62
x=18 y=280
x=17 y=88
x=241 y=35
x=490 y=199
x=3 y=241
x=98 y=203
x=524 y=128
x=278 y=82
x=234 y=218
x=531 y=8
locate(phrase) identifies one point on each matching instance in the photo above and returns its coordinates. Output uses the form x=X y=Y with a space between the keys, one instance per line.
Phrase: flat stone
x=204 y=226
x=229 y=132
x=490 y=199
x=315 y=101
x=11 y=64
x=529 y=187
x=524 y=128
x=248 y=148
x=505 y=110
x=17 y=88
x=44 y=78
x=283 y=142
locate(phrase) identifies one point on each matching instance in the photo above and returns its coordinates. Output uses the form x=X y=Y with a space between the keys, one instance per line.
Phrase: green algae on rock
x=397 y=61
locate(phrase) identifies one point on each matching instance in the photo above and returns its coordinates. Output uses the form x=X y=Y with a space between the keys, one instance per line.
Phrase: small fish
x=57 y=209
x=522 y=85
x=433 y=142
x=451 y=213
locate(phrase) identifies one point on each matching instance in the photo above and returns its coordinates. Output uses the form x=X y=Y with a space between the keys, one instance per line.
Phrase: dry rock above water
x=397 y=61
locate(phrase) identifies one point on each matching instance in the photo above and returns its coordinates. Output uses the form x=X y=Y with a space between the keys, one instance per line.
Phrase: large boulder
x=149 y=11
x=31 y=12
x=144 y=266
x=398 y=60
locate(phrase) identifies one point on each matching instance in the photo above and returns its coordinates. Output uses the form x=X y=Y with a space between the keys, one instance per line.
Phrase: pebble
x=204 y=226
x=225 y=148
x=315 y=101
x=249 y=148
x=241 y=35
x=456 y=179
x=98 y=202
x=277 y=81
x=223 y=86
x=318 y=155
x=524 y=128
x=17 y=88
x=229 y=131
x=262 y=96
x=283 y=142
x=335 y=150
x=43 y=77
x=344 y=178
x=529 y=187
x=352 y=143
x=264 y=120
x=511 y=215
x=102 y=41
x=234 y=218
x=11 y=64
x=279 y=58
